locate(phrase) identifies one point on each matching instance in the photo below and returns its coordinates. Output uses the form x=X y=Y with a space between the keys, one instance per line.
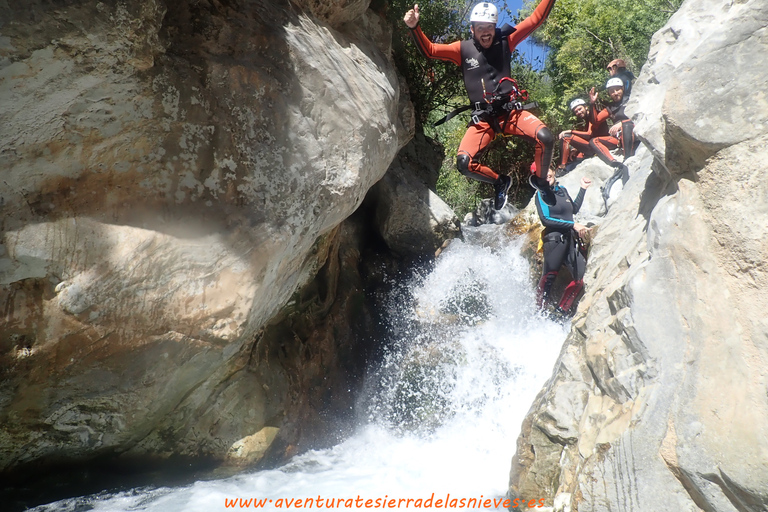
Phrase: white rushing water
x=440 y=415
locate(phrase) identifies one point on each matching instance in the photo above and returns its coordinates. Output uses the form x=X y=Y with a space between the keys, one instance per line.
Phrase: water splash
x=440 y=415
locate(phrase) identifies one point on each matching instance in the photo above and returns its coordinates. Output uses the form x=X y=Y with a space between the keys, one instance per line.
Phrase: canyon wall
x=658 y=400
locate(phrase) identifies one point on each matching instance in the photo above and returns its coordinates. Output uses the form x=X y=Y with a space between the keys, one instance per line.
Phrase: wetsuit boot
x=569 y=296
x=621 y=172
x=500 y=189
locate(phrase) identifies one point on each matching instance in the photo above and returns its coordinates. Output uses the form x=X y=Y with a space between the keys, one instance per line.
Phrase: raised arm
x=449 y=52
x=531 y=23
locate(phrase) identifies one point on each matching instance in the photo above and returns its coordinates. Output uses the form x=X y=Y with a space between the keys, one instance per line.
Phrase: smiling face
x=616 y=93
x=580 y=111
x=483 y=33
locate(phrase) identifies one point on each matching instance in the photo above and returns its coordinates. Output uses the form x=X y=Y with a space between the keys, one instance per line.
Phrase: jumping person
x=562 y=242
x=579 y=140
x=485 y=64
x=621 y=134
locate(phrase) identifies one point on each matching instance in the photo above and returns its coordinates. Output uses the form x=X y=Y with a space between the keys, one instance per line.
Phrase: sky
x=530 y=51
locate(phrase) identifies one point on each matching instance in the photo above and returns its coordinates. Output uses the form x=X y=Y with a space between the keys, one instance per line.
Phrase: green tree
x=583 y=36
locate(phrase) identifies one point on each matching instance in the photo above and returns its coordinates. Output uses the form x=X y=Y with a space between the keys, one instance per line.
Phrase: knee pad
x=545 y=137
x=462 y=163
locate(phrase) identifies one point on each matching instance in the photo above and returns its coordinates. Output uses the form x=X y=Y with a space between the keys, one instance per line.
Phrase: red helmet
x=619 y=63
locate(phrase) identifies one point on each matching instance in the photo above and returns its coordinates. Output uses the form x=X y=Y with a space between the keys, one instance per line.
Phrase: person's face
x=616 y=93
x=483 y=33
x=580 y=111
x=551 y=178
x=612 y=70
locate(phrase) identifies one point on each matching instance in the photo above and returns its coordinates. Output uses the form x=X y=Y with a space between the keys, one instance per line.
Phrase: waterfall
x=440 y=415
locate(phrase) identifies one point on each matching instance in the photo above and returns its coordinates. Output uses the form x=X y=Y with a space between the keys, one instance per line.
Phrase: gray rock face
x=658 y=401
x=171 y=173
x=409 y=215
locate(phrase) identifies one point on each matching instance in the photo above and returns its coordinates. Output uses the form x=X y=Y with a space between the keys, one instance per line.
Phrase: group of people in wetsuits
x=597 y=139
x=485 y=64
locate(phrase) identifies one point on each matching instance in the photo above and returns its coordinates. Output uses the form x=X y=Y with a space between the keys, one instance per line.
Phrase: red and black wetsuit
x=603 y=145
x=561 y=247
x=483 y=69
x=580 y=139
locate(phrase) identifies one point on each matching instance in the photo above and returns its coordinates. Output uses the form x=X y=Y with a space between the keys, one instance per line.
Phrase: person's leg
x=577 y=265
x=602 y=147
x=565 y=151
x=582 y=145
x=476 y=139
x=628 y=138
x=555 y=252
x=525 y=124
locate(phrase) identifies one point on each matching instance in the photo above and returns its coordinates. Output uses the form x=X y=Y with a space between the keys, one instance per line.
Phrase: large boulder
x=658 y=399
x=172 y=173
x=409 y=216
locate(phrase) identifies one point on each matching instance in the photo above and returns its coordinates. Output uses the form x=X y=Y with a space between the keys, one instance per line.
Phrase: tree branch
x=609 y=42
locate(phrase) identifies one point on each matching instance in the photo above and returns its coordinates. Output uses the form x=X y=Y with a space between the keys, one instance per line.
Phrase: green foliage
x=433 y=84
x=582 y=36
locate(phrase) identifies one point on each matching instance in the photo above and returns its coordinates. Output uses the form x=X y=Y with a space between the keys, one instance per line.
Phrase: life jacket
x=483 y=69
x=616 y=110
x=492 y=92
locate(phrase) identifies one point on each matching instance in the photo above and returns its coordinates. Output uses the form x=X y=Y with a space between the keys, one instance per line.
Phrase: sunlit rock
x=172 y=174
x=663 y=371
x=251 y=449
x=408 y=214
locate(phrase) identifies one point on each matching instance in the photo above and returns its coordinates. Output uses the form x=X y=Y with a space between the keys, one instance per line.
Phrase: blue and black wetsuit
x=561 y=244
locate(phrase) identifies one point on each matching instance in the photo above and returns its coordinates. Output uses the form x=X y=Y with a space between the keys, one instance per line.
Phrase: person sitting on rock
x=562 y=244
x=618 y=68
x=485 y=65
x=579 y=140
x=620 y=134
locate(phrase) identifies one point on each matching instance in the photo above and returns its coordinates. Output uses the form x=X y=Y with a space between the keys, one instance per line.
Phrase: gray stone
x=410 y=216
x=172 y=173
x=671 y=327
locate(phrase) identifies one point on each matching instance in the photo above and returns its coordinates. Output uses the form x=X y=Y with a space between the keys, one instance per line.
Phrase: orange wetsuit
x=602 y=146
x=580 y=139
x=515 y=123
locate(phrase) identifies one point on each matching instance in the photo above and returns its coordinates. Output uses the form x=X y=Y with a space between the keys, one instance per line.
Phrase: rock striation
x=658 y=400
x=172 y=173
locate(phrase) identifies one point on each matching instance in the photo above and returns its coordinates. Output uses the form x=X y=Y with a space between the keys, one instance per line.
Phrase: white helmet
x=578 y=101
x=484 y=12
x=614 y=82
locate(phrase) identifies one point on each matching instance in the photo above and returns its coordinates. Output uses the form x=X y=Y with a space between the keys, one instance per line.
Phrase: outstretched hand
x=412 y=17
x=585 y=182
x=592 y=96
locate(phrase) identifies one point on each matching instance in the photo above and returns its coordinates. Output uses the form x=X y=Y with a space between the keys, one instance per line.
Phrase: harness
x=566 y=237
x=486 y=71
x=506 y=98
